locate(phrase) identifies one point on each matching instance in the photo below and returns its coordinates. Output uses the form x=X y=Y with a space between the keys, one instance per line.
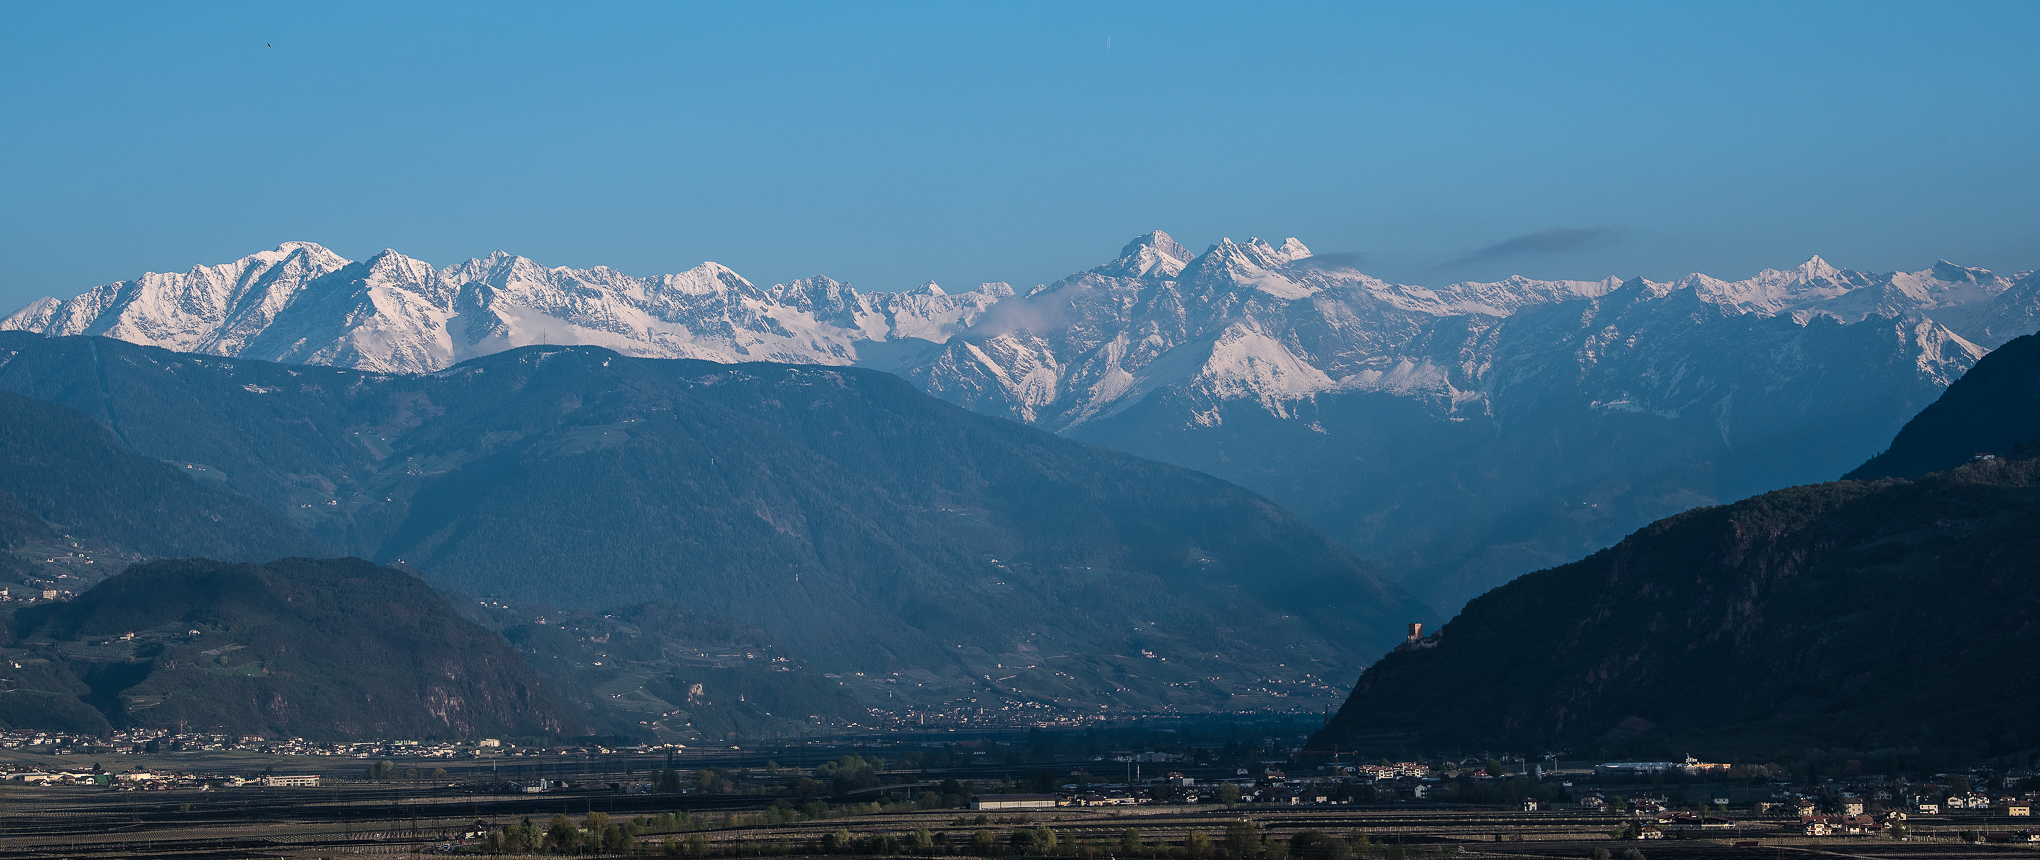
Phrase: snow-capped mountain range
x=1254 y=322
x=1259 y=323
x=304 y=304
x=1456 y=435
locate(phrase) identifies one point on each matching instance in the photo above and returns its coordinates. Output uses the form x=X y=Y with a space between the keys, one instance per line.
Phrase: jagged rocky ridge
x=1457 y=436
x=304 y=304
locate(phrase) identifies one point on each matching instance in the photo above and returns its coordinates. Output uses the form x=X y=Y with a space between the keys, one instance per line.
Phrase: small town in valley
x=1171 y=794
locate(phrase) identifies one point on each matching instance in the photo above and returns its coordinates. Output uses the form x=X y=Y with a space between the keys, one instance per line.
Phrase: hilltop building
x=1417 y=641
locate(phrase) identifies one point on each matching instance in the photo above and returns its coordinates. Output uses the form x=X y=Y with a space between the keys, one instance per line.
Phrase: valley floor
x=348 y=817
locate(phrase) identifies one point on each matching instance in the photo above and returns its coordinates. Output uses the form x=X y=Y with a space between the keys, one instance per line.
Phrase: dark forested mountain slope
x=337 y=648
x=1993 y=407
x=69 y=492
x=1868 y=614
x=867 y=525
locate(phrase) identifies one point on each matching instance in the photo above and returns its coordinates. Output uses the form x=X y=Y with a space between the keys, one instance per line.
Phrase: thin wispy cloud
x=1557 y=240
x=1334 y=260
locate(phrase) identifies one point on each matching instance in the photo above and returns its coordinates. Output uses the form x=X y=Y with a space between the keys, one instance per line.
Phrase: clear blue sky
x=889 y=143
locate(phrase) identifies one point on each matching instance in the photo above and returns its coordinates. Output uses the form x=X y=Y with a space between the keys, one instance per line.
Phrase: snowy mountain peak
x=1814 y=272
x=34 y=316
x=1951 y=273
x=1816 y=269
x=1159 y=241
x=309 y=249
x=389 y=260
x=1152 y=254
x=1254 y=265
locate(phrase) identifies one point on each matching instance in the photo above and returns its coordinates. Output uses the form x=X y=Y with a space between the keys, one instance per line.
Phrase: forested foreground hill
x=866 y=525
x=1991 y=409
x=324 y=649
x=1880 y=613
x=1871 y=614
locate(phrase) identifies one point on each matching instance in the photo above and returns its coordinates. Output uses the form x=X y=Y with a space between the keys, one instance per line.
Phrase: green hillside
x=329 y=649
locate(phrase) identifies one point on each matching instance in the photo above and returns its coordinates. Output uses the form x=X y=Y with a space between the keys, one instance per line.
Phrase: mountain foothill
x=337 y=648
x=1889 y=613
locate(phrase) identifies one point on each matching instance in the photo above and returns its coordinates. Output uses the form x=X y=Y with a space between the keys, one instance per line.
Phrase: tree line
x=662 y=835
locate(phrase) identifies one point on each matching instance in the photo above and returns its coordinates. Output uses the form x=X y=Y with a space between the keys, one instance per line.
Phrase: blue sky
x=888 y=144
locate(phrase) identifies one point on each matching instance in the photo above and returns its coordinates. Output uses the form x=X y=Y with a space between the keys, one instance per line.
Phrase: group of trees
x=1241 y=840
x=597 y=833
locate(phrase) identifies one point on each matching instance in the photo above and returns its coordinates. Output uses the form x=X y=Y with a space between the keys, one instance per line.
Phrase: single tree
x=561 y=834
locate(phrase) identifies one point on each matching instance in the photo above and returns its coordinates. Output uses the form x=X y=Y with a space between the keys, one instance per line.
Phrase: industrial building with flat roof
x=1014 y=801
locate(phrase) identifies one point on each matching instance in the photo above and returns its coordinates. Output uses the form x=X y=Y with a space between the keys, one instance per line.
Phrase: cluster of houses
x=148 y=780
x=2021 y=807
x=139 y=741
x=1879 y=810
x=161 y=741
x=1272 y=786
x=1690 y=767
x=1378 y=772
x=1865 y=808
x=30 y=594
